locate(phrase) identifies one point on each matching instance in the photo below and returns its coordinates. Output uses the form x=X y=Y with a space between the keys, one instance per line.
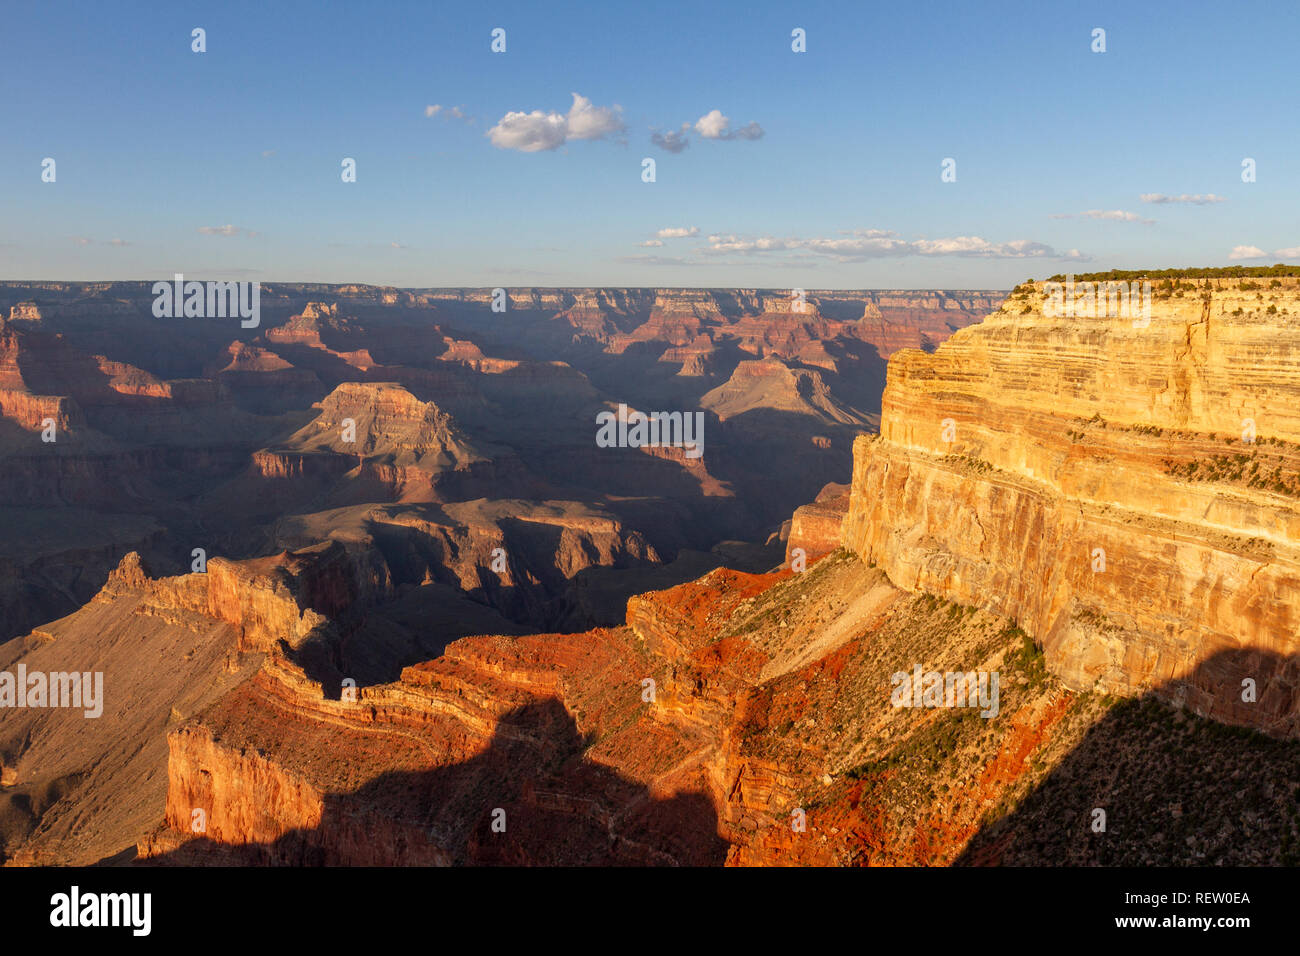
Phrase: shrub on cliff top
x=1209 y=272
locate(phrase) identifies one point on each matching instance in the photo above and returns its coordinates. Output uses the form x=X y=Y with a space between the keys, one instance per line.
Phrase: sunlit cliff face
x=1124 y=488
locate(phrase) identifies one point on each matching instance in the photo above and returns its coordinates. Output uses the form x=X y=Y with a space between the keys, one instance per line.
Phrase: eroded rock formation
x=1125 y=488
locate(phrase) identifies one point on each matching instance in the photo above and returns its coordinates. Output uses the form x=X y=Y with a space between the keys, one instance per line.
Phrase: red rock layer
x=702 y=732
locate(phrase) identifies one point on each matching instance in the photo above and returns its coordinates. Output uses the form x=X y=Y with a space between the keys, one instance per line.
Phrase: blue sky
x=159 y=149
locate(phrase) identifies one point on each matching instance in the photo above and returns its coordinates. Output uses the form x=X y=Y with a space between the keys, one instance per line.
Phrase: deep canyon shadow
x=1177 y=789
x=550 y=807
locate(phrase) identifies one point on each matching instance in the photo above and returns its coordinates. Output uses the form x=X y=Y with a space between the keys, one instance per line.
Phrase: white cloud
x=537 y=131
x=678 y=232
x=1117 y=215
x=268 y=153
x=660 y=260
x=593 y=122
x=1195 y=200
x=118 y=242
x=226 y=230
x=651 y=243
x=529 y=132
x=713 y=125
x=1114 y=215
x=980 y=248
x=867 y=247
x=1247 y=252
x=748 y=246
x=82 y=240
x=1255 y=252
x=450 y=112
x=881 y=244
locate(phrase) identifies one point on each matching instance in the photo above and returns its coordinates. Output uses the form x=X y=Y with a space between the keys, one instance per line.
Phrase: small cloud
x=396 y=245
x=651 y=243
x=881 y=243
x=1116 y=215
x=1247 y=252
x=730 y=244
x=1187 y=198
x=678 y=233
x=980 y=248
x=537 y=131
x=268 y=153
x=713 y=125
x=673 y=140
x=87 y=241
x=451 y=112
x=660 y=260
x=529 y=132
x=226 y=230
x=1255 y=252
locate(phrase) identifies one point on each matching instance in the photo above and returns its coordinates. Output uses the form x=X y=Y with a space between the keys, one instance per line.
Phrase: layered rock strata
x=1124 y=487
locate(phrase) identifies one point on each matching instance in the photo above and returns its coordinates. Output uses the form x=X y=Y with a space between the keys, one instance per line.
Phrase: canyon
x=447 y=644
x=459 y=424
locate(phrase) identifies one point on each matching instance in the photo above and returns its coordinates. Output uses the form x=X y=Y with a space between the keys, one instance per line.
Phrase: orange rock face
x=1121 y=488
x=816 y=528
x=701 y=732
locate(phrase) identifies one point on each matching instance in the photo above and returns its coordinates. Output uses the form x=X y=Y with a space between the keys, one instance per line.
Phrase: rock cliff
x=1123 y=487
x=740 y=719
